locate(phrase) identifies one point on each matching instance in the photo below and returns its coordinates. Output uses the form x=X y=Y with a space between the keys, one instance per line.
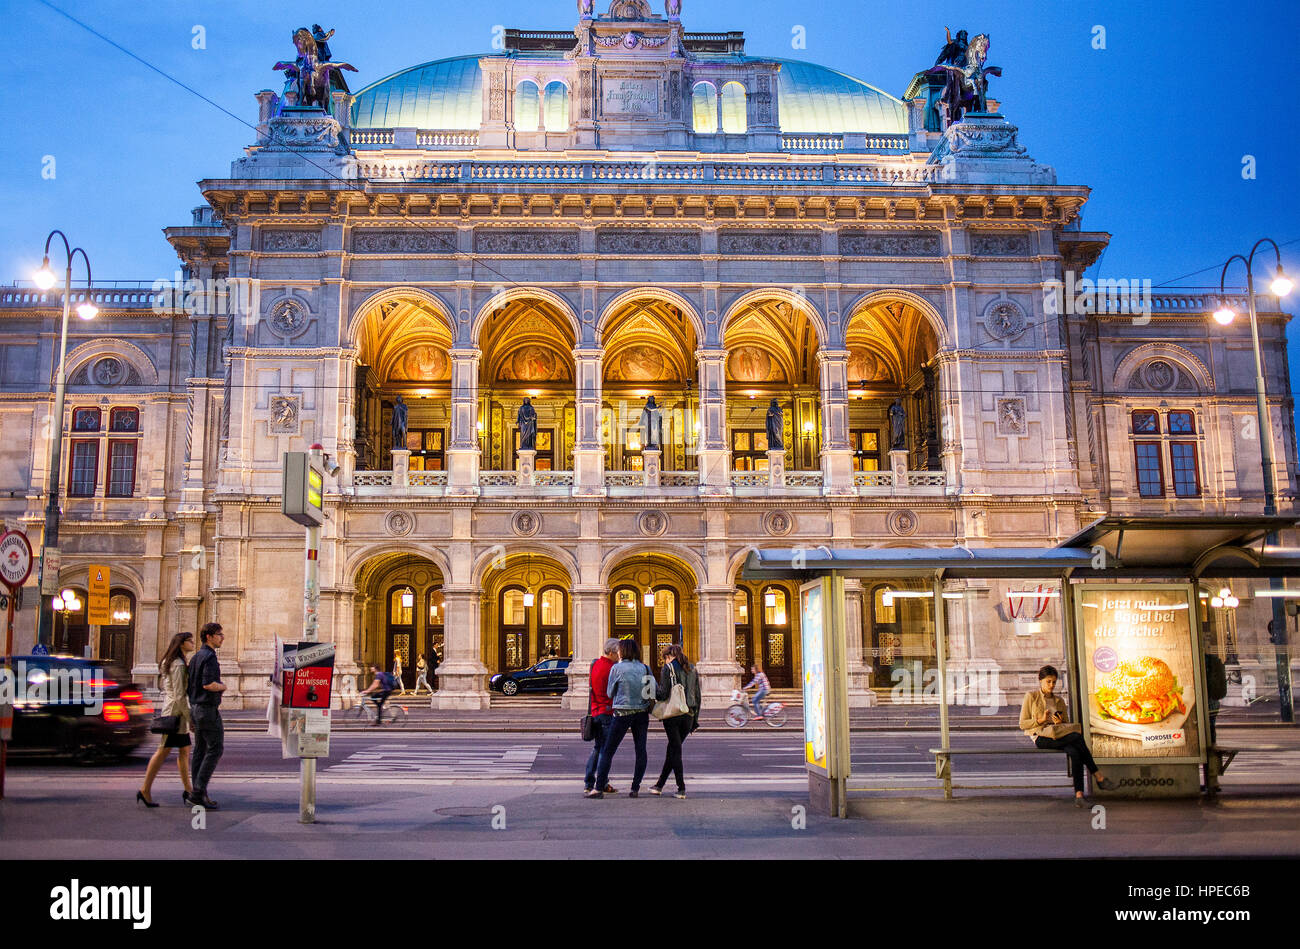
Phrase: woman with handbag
x=173 y=722
x=1042 y=718
x=679 y=709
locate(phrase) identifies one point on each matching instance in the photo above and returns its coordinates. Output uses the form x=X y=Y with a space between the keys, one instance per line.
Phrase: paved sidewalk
x=550 y=819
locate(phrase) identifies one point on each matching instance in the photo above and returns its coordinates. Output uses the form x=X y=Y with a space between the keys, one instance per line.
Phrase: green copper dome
x=447 y=94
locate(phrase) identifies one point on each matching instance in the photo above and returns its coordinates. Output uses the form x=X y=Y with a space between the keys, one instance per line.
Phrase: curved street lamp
x=45 y=279
x=1281 y=285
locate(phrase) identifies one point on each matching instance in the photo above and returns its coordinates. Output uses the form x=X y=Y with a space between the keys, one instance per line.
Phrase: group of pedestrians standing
x=623 y=692
x=190 y=679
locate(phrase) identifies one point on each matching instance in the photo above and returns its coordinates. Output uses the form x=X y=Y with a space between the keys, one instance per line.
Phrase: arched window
x=401 y=606
x=625 y=615
x=557 y=107
x=512 y=607
x=552 y=607
x=704 y=109
x=435 y=611
x=665 y=608
x=733 y=108
x=513 y=629
x=740 y=617
x=117 y=640
x=527 y=107
x=553 y=631
x=774 y=607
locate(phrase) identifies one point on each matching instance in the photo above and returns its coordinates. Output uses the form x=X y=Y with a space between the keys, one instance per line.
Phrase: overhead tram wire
x=401 y=215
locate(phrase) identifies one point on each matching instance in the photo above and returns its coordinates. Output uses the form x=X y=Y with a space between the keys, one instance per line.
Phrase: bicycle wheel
x=736 y=716
x=776 y=717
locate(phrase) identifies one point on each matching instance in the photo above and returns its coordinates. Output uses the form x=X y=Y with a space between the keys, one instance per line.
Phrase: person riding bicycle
x=383 y=685
x=761 y=686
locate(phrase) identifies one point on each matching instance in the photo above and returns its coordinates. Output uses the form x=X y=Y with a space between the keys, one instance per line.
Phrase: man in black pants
x=205 y=690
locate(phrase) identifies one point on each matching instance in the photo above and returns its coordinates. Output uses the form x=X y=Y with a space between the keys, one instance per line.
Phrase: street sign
x=302 y=490
x=15 y=558
x=97 y=613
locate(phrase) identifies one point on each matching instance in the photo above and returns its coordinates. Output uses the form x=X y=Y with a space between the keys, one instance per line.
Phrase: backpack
x=389 y=680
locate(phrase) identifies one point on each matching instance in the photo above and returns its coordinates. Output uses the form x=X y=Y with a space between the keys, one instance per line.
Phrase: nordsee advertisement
x=1139 y=671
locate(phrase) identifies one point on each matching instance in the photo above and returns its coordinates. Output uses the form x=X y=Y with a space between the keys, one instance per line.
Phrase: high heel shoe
x=139 y=796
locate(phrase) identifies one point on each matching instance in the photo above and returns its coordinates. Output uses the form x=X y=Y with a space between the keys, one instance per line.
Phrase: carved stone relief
x=778 y=523
x=652 y=523
x=526 y=523
x=399 y=523
x=285 y=414
x=1004 y=319
x=496 y=241
x=287 y=318
x=296 y=240
x=999 y=245
x=879 y=244
x=1011 y=417
x=403 y=242
x=903 y=523
x=641 y=241
x=743 y=241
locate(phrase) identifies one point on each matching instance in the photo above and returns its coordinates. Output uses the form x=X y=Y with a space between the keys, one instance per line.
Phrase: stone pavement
x=530 y=818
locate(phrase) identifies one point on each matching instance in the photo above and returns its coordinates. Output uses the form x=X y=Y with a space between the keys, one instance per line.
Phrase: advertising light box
x=812 y=606
x=1141 y=684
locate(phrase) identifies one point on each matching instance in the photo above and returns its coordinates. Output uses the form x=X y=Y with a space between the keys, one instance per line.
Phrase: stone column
x=463 y=450
x=541 y=108
x=462 y=677
x=588 y=452
x=714 y=458
x=719 y=129
x=860 y=693
x=836 y=455
x=401 y=468
x=719 y=671
x=589 y=615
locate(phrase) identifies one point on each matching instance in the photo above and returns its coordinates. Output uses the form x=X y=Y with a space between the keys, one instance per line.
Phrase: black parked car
x=549 y=675
x=83 y=708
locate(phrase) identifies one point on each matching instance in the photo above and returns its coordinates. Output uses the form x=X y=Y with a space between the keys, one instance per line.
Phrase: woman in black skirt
x=172 y=675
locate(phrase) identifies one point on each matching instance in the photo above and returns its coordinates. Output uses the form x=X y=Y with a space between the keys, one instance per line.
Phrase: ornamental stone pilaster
x=590 y=617
x=463 y=449
x=859 y=668
x=836 y=455
x=462 y=677
x=588 y=452
x=719 y=671
x=713 y=456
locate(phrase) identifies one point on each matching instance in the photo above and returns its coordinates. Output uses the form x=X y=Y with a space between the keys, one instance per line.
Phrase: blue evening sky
x=1157 y=123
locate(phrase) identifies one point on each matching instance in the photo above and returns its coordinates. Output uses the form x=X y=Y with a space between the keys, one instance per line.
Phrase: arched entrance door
x=525 y=612
x=777 y=651
x=399 y=613
x=651 y=601
x=117 y=640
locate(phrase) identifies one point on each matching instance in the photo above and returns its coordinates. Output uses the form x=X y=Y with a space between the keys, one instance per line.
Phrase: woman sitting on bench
x=1042 y=718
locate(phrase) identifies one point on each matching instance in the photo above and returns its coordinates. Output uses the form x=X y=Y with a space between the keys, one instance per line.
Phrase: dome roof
x=447 y=94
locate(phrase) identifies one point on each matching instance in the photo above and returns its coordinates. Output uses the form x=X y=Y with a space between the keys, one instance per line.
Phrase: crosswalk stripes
x=511 y=761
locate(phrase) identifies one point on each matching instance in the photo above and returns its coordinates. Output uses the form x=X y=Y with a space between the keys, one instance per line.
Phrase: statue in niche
x=897 y=425
x=310 y=79
x=674 y=9
x=527 y=422
x=651 y=425
x=400 y=409
x=775 y=427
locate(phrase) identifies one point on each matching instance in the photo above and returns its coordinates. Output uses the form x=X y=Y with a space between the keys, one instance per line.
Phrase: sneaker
x=633 y=793
x=610 y=789
x=593 y=793
x=680 y=795
x=657 y=792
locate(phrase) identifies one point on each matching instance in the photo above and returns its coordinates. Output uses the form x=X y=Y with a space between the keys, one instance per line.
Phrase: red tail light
x=101 y=684
x=132 y=696
x=115 y=712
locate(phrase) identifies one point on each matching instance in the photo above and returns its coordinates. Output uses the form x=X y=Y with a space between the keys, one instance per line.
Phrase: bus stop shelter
x=1154 y=562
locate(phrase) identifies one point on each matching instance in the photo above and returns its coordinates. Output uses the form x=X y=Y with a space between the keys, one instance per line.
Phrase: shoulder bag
x=675 y=704
x=588 y=725
x=168 y=724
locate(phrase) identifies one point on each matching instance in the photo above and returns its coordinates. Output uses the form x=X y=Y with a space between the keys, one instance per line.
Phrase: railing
x=371 y=136
x=922 y=479
x=139 y=297
x=533 y=171
x=743 y=171
x=804 y=479
x=553 y=479
x=447 y=138
x=679 y=479
x=812 y=143
x=750 y=479
x=365 y=479
x=886 y=174
x=427 y=479
x=625 y=479
x=491 y=479
x=873 y=479
x=396 y=169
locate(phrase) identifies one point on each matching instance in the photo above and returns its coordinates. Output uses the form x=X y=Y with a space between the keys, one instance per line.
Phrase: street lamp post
x=1281 y=286
x=87 y=310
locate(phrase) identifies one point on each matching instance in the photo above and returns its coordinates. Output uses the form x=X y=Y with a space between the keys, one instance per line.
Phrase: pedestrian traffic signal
x=302 y=496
